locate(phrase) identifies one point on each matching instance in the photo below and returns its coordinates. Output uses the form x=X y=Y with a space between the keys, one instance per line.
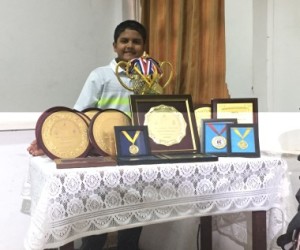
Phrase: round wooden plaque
x=63 y=133
x=91 y=112
x=101 y=130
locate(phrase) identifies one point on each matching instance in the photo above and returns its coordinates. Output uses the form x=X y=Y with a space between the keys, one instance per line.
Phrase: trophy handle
x=125 y=64
x=171 y=73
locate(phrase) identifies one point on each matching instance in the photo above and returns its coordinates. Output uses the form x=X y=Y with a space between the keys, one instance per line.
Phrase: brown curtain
x=190 y=34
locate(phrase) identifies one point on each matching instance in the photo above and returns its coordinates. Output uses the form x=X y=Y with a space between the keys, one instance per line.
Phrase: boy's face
x=129 y=45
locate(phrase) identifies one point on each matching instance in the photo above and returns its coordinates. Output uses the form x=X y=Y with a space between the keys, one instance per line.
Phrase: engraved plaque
x=203 y=112
x=101 y=131
x=170 y=120
x=86 y=162
x=91 y=112
x=63 y=134
x=166 y=125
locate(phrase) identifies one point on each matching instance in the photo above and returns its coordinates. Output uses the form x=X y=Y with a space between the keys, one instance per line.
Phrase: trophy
x=145 y=74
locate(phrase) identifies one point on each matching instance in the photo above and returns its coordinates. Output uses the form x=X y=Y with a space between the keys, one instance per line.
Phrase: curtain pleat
x=191 y=35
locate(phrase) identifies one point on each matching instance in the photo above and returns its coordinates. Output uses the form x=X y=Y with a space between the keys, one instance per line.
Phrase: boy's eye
x=134 y=41
x=124 y=40
x=137 y=41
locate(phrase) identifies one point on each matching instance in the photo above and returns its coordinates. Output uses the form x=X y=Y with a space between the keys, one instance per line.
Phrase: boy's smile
x=129 y=45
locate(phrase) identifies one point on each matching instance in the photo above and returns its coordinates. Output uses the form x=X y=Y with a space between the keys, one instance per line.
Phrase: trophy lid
x=62 y=133
x=101 y=130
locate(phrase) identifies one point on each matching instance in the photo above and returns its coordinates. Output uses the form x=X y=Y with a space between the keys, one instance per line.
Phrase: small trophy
x=145 y=74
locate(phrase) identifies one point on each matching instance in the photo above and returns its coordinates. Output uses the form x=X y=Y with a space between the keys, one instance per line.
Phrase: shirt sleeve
x=89 y=95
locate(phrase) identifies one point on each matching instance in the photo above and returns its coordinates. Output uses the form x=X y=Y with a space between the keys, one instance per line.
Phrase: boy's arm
x=88 y=97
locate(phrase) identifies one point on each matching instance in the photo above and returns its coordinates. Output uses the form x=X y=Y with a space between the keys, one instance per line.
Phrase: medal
x=219 y=141
x=242 y=144
x=133 y=149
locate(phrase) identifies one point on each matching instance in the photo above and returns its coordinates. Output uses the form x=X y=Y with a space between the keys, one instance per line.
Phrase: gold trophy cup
x=145 y=74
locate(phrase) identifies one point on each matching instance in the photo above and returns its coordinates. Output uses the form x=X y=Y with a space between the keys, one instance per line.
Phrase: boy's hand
x=34 y=149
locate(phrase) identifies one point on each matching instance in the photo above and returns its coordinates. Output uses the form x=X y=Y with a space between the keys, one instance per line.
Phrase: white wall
x=239 y=43
x=49 y=47
x=286 y=55
x=263 y=52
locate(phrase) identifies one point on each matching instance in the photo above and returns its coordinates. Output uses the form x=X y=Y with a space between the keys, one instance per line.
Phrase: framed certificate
x=243 y=140
x=202 y=111
x=245 y=110
x=214 y=138
x=170 y=120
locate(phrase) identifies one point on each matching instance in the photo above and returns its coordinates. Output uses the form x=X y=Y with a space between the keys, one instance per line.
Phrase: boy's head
x=131 y=25
x=129 y=40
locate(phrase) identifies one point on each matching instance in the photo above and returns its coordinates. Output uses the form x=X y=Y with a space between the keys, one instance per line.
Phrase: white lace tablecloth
x=67 y=204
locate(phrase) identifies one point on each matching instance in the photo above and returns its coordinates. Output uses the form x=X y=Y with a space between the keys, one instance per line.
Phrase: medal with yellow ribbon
x=133 y=149
x=242 y=144
x=218 y=141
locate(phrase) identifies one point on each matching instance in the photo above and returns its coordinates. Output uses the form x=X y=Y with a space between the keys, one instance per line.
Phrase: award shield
x=63 y=133
x=101 y=130
x=145 y=74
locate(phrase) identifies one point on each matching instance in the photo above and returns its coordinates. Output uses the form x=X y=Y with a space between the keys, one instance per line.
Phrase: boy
x=103 y=90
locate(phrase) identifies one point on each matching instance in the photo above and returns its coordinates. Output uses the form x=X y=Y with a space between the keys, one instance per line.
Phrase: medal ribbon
x=213 y=128
x=247 y=131
x=156 y=65
x=129 y=138
x=144 y=66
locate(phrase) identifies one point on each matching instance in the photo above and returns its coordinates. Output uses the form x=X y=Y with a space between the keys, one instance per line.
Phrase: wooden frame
x=214 y=138
x=125 y=140
x=170 y=120
x=202 y=111
x=123 y=143
x=243 y=140
x=245 y=110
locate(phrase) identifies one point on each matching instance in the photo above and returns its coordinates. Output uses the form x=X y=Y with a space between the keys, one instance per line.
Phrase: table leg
x=206 y=232
x=259 y=232
x=69 y=246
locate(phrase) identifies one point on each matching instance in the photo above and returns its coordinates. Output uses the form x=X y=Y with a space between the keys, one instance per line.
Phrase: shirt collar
x=113 y=65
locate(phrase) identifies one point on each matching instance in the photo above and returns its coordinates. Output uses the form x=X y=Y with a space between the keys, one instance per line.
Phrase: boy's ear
x=114 y=45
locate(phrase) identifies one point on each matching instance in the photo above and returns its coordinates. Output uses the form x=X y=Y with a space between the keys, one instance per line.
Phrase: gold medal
x=242 y=144
x=133 y=149
x=219 y=142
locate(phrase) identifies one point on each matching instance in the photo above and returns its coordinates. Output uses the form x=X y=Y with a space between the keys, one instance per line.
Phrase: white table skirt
x=67 y=204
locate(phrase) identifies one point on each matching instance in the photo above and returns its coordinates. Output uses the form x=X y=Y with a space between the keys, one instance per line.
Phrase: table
x=67 y=204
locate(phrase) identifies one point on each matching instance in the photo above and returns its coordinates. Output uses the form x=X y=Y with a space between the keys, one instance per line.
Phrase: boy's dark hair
x=132 y=25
